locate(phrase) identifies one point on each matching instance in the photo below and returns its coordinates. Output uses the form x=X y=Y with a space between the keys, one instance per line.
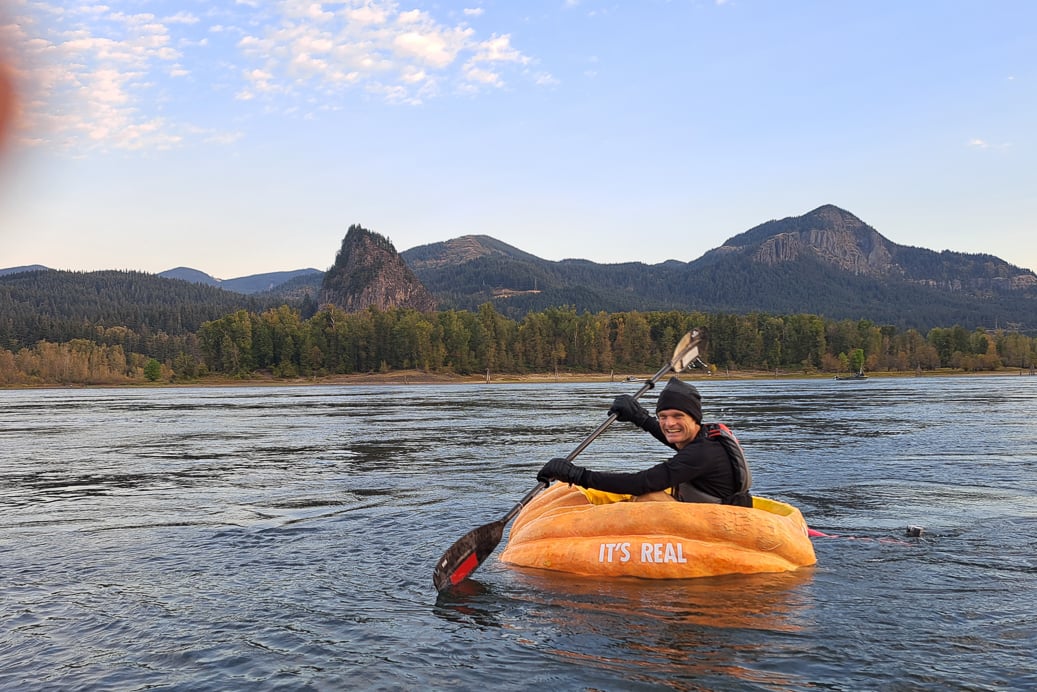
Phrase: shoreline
x=421 y=378
x=417 y=377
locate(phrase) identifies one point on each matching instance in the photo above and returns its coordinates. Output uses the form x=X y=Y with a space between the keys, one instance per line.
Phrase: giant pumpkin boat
x=585 y=532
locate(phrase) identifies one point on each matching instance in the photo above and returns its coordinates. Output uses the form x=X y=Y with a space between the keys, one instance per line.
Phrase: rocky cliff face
x=835 y=237
x=838 y=238
x=369 y=272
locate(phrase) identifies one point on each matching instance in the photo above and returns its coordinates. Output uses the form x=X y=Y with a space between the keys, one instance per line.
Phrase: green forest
x=281 y=342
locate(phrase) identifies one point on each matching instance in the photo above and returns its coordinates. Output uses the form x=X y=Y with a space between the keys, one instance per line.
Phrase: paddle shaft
x=649 y=384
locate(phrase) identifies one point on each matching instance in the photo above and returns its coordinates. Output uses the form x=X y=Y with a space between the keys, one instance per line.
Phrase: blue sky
x=240 y=137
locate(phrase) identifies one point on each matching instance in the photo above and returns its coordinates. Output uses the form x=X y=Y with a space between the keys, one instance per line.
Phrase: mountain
x=838 y=238
x=826 y=262
x=26 y=268
x=259 y=283
x=831 y=263
x=465 y=272
x=368 y=272
x=254 y=283
x=303 y=287
x=191 y=275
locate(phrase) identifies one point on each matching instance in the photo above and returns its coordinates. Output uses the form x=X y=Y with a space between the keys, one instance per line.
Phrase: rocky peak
x=830 y=234
x=368 y=272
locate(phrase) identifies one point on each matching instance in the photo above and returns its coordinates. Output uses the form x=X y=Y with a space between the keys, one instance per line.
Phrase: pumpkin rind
x=561 y=530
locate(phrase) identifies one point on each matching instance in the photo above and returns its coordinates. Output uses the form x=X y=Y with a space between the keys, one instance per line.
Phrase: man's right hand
x=628 y=410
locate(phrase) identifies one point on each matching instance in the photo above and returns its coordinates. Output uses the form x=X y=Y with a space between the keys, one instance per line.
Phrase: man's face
x=679 y=427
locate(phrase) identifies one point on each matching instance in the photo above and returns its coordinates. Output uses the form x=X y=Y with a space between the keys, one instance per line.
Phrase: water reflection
x=754 y=601
x=675 y=630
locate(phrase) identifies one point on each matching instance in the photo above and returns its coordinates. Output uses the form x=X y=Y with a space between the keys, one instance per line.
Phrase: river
x=285 y=537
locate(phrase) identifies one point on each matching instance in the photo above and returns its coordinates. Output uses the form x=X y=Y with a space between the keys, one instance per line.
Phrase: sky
x=240 y=137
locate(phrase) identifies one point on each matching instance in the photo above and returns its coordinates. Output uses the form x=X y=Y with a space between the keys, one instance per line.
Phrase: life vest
x=688 y=492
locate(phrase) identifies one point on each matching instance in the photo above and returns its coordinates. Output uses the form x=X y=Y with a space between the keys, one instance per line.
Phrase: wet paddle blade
x=687 y=350
x=463 y=557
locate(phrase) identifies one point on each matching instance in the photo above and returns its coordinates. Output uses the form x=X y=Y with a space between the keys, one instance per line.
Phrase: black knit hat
x=682 y=397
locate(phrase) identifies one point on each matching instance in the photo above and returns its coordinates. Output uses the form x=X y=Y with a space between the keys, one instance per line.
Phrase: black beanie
x=682 y=397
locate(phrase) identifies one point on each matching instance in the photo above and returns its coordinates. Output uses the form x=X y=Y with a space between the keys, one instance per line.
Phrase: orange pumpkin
x=562 y=530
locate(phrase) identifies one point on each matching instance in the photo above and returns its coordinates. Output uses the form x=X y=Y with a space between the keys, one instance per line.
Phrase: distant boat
x=859 y=376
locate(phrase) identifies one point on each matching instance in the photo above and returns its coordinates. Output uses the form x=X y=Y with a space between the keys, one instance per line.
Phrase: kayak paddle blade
x=463 y=557
x=687 y=351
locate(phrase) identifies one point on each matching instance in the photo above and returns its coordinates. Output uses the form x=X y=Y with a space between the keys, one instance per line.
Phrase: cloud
x=104 y=78
x=83 y=87
x=182 y=18
x=405 y=56
x=983 y=145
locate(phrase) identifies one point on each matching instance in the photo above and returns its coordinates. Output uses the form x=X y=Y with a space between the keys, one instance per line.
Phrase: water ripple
x=284 y=537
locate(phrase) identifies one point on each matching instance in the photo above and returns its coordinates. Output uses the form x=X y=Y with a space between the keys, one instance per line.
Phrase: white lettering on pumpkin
x=658 y=553
x=609 y=552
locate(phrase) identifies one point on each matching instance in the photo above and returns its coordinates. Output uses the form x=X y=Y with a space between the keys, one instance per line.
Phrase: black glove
x=561 y=470
x=628 y=410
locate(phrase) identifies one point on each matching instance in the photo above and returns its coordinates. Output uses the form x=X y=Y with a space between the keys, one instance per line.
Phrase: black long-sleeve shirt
x=703 y=463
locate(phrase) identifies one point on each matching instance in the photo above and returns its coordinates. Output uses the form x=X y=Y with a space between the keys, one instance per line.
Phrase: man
x=709 y=465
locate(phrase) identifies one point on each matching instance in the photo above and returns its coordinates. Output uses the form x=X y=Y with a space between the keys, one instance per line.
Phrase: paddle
x=464 y=556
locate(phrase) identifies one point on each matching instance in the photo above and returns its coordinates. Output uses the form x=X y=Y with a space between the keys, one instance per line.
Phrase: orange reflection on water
x=665 y=631
x=773 y=602
x=685 y=634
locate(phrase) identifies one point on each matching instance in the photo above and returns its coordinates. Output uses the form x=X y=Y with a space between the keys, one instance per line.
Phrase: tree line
x=282 y=343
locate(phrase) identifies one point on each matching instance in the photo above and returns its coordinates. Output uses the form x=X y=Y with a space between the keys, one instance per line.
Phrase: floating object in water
x=563 y=530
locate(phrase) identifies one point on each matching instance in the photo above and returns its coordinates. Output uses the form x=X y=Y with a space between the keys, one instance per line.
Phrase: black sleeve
x=703 y=461
x=639 y=483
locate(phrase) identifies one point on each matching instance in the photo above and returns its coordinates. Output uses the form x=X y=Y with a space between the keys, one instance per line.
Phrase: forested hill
x=827 y=262
x=253 y=283
x=61 y=305
x=465 y=272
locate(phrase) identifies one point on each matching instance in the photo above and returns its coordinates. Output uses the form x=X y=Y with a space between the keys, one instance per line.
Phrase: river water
x=285 y=538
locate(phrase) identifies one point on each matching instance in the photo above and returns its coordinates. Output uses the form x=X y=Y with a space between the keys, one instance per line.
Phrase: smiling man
x=709 y=465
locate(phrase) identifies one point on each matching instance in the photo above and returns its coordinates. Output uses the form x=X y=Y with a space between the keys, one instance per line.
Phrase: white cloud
x=436 y=49
x=182 y=18
x=483 y=76
x=498 y=49
x=85 y=74
x=545 y=79
x=367 y=15
x=404 y=55
x=985 y=145
x=106 y=78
